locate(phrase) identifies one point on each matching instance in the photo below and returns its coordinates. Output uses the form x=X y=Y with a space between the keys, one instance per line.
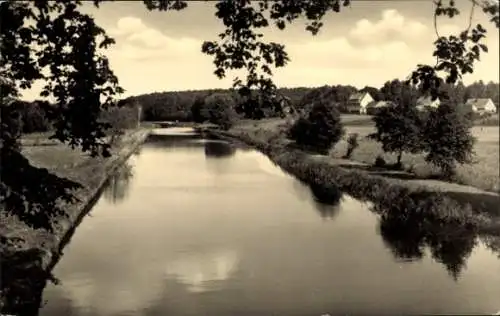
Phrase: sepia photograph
x=248 y=158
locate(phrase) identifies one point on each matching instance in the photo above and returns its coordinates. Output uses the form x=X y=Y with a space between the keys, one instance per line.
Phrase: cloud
x=340 y=53
x=391 y=27
x=385 y=43
x=137 y=41
x=127 y=25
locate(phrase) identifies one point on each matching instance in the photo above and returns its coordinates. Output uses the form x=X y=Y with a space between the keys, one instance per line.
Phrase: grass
x=482 y=174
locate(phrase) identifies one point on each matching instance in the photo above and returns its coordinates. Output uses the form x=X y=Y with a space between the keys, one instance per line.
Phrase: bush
x=448 y=139
x=320 y=130
x=380 y=162
x=352 y=143
x=219 y=108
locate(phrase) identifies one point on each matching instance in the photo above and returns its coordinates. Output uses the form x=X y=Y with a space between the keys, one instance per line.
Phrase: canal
x=191 y=226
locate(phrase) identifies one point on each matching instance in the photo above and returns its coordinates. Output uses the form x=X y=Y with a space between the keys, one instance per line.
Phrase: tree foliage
x=60 y=46
x=455 y=55
x=399 y=129
x=219 y=108
x=320 y=130
x=448 y=138
x=197 y=110
x=334 y=95
x=32 y=116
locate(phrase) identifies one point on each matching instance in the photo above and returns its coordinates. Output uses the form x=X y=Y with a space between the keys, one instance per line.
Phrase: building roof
x=358 y=96
x=478 y=103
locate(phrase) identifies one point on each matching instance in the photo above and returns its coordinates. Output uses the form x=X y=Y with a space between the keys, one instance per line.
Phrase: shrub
x=320 y=130
x=448 y=139
x=380 y=162
x=352 y=143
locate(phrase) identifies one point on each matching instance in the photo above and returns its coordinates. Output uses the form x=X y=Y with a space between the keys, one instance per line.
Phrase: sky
x=367 y=44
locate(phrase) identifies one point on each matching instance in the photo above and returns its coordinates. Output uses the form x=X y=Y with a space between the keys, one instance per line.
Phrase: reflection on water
x=117 y=186
x=408 y=238
x=198 y=271
x=327 y=202
x=192 y=240
x=218 y=149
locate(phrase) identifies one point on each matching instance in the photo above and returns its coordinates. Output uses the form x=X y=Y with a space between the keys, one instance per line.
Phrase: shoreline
x=43 y=257
x=83 y=208
x=475 y=210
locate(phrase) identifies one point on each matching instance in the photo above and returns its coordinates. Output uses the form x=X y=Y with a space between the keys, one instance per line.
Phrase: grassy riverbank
x=64 y=162
x=34 y=250
x=457 y=206
x=482 y=174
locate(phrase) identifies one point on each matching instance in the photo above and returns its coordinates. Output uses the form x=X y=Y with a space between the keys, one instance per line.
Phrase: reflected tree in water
x=326 y=200
x=217 y=149
x=117 y=187
x=409 y=233
x=453 y=250
x=405 y=239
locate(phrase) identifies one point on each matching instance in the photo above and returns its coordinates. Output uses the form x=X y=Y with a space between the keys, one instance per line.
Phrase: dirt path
x=404 y=177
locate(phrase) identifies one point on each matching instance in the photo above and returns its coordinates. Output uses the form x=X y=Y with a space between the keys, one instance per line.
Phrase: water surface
x=198 y=227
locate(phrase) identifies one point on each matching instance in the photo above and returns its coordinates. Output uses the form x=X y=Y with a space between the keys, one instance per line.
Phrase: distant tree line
x=179 y=105
x=33 y=117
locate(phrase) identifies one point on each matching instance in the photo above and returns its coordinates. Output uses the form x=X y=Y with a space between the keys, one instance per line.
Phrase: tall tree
x=448 y=138
x=399 y=129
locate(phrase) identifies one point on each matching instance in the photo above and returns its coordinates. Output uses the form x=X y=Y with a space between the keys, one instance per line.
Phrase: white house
x=374 y=106
x=481 y=106
x=425 y=102
x=358 y=102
